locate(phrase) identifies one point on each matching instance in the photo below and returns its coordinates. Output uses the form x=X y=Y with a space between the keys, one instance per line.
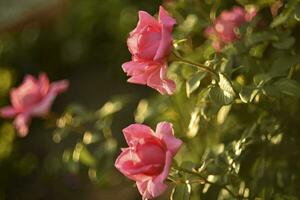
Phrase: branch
x=200 y=66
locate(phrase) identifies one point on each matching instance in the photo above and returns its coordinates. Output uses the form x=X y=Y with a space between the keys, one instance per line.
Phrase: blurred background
x=85 y=42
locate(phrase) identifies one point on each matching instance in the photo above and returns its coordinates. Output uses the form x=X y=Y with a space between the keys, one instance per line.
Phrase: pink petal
x=151 y=152
x=43 y=107
x=59 y=86
x=44 y=83
x=145 y=20
x=217 y=45
x=156 y=186
x=235 y=15
x=165 y=45
x=158 y=81
x=165 y=19
x=142 y=187
x=140 y=71
x=26 y=93
x=164 y=130
x=30 y=78
x=16 y=99
x=140 y=79
x=132 y=42
x=21 y=123
x=136 y=132
x=209 y=31
x=134 y=68
x=148 y=44
x=8 y=112
x=126 y=163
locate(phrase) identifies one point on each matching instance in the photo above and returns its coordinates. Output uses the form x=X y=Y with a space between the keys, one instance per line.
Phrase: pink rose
x=32 y=98
x=150 y=43
x=225 y=28
x=148 y=158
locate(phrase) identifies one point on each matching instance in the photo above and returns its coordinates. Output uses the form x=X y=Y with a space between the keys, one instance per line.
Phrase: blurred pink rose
x=225 y=28
x=148 y=158
x=32 y=98
x=150 y=43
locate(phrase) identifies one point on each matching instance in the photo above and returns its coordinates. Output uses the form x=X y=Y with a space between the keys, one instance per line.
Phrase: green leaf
x=248 y=93
x=259 y=37
x=258 y=50
x=194 y=82
x=188 y=165
x=282 y=62
x=82 y=154
x=224 y=94
x=289 y=87
x=260 y=79
x=219 y=97
x=285 y=14
x=181 y=192
x=286 y=43
x=270 y=90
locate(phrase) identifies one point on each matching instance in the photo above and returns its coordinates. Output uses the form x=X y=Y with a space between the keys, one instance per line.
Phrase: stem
x=207 y=181
x=200 y=66
x=214 y=9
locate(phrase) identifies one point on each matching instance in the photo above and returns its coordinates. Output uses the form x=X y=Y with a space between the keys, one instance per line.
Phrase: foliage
x=240 y=127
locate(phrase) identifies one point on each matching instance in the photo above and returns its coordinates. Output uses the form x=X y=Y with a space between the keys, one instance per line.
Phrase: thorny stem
x=206 y=181
x=200 y=66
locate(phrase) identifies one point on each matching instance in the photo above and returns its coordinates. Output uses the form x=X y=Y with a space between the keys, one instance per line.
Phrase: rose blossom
x=149 y=44
x=225 y=28
x=148 y=158
x=32 y=98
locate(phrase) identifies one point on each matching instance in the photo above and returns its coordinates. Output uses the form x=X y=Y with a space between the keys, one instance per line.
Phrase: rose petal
x=142 y=187
x=158 y=81
x=133 y=68
x=44 y=84
x=126 y=163
x=137 y=132
x=165 y=19
x=43 y=107
x=151 y=152
x=8 y=112
x=26 y=94
x=165 y=44
x=145 y=20
x=164 y=130
x=132 y=43
x=21 y=123
x=148 y=44
x=156 y=187
x=59 y=86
